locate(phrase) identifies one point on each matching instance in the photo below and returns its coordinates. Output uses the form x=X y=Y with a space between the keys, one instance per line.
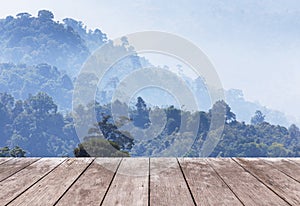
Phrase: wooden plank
x=4 y=159
x=167 y=183
x=296 y=160
x=130 y=185
x=286 y=166
x=246 y=187
x=13 y=166
x=19 y=182
x=207 y=187
x=92 y=185
x=49 y=189
x=284 y=186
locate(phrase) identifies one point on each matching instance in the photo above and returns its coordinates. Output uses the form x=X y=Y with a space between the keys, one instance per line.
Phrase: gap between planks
x=158 y=181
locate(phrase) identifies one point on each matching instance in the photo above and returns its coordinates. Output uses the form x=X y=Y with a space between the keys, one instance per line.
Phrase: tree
x=7 y=100
x=277 y=150
x=221 y=108
x=124 y=41
x=34 y=79
x=141 y=115
x=254 y=149
x=38 y=128
x=173 y=119
x=4 y=152
x=96 y=144
x=24 y=15
x=6 y=105
x=15 y=152
x=45 y=15
x=258 y=118
x=294 y=131
x=42 y=104
x=294 y=136
x=110 y=132
x=98 y=147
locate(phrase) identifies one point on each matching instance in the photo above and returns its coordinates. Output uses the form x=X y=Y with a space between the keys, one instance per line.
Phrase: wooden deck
x=154 y=181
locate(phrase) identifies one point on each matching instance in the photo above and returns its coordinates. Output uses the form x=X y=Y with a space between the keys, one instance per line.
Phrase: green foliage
x=277 y=150
x=141 y=115
x=38 y=54
x=15 y=152
x=22 y=80
x=258 y=118
x=34 y=40
x=110 y=132
x=38 y=128
x=98 y=147
x=4 y=152
x=221 y=108
x=238 y=138
x=35 y=125
x=45 y=15
x=93 y=39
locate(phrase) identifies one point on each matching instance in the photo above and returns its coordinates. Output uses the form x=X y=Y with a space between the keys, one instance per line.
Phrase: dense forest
x=39 y=61
x=21 y=80
x=41 y=54
x=34 y=40
x=35 y=125
x=39 y=129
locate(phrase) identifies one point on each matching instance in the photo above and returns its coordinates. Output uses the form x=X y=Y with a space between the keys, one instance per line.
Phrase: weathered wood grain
x=130 y=185
x=247 y=188
x=49 y=189
x=91 y=187
x=296 y=160
x=13 y=166
x=167 y=183
x=286 y=166
x=284 y=186
x=144 y=181
x=207 y=187
x=19 y=182
x=4 y=159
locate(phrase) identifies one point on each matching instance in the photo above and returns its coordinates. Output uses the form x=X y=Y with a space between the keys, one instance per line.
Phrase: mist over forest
x=40 y=59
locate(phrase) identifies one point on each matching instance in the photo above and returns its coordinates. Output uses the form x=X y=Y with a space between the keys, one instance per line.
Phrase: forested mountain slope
x=40 y=59
x=34 y=40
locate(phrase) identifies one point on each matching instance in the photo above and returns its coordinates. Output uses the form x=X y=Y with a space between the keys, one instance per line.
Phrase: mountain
x=22 y=80
x=41 y=54
x=40 y=60
x=34 y=40
x=246 y=109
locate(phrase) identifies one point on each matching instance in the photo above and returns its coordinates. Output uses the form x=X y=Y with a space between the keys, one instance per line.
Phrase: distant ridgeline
x=34 y=40
x=39 y=61
x=40 y=54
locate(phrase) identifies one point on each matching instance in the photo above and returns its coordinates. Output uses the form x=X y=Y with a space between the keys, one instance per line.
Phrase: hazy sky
x=254 y=44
